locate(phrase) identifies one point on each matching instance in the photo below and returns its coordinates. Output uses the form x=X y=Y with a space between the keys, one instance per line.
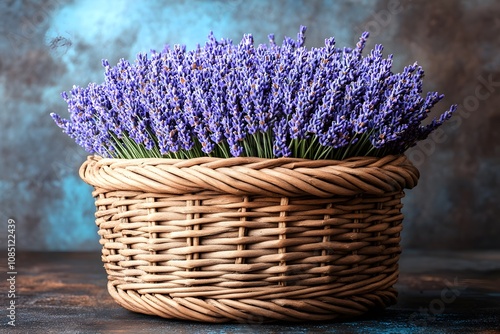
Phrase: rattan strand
x=248 y=239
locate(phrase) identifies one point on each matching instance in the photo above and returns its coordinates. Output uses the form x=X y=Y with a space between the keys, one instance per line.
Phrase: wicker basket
x=250 y=239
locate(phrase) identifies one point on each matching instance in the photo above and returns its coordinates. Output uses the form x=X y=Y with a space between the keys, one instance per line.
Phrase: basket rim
x=289 y=177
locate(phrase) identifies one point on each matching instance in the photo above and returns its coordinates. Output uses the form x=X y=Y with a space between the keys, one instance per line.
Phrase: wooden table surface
x=439 y=292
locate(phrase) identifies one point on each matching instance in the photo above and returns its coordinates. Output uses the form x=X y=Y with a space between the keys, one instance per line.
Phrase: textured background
x=48 y=46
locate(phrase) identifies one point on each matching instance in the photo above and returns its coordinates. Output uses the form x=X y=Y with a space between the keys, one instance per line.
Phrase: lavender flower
x=224 y=99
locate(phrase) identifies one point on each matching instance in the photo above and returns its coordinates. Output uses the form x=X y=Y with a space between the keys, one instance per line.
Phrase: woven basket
x=250 y=239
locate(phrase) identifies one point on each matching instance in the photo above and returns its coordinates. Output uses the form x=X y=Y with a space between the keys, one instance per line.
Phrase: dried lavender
x=224 y=99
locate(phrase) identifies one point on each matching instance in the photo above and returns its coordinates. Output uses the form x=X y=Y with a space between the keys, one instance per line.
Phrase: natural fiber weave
x=250 y=239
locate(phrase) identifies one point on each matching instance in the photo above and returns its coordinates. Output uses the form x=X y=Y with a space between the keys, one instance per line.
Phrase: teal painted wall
x=48 y=46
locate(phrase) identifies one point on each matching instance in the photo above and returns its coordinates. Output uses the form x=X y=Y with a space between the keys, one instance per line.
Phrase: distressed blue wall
x=47 y=46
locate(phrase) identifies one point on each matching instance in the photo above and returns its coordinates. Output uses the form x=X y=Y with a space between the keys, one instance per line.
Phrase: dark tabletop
x=439 y=292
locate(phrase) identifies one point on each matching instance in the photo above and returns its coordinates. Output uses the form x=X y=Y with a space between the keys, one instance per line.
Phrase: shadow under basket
x=250 y=239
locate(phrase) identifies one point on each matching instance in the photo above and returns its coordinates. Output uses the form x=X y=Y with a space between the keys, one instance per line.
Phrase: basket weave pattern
x=249 y=239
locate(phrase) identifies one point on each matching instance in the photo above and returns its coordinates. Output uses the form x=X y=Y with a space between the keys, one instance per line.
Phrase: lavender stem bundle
x=270 y=101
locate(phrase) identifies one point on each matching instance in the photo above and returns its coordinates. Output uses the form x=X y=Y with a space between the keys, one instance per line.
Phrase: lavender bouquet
x=270 y=101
